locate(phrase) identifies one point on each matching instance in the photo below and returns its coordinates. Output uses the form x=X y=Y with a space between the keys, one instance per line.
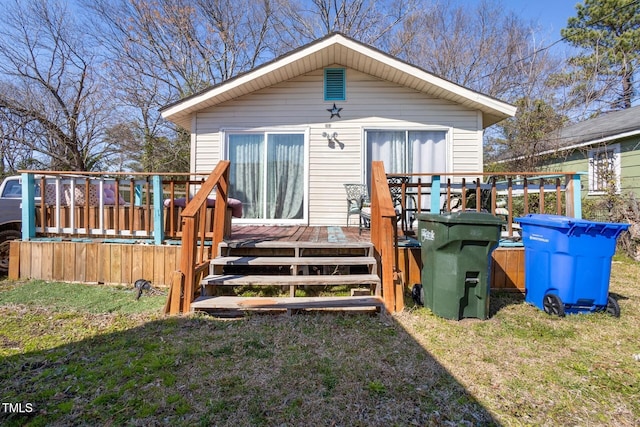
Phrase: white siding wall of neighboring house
x=370 y=103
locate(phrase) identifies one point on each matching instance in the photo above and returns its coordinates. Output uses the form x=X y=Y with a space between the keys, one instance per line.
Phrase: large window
x=406 y=151
x=267 y=174
x=604 y=169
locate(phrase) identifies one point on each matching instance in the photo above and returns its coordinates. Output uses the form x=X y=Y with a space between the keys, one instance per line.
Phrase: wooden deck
x=95 y=233
x=244 y=235
x=107 y=261
x=123 y=263
x=507 y=269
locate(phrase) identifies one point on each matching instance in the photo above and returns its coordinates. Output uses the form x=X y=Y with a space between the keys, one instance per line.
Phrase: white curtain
x=428 y=152
x=246 y=152
x=285 y=176
x=388 y=146
x=281 y=196
x=425 y=151
x=408 y=152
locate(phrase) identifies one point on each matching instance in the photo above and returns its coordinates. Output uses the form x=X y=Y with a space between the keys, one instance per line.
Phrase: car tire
x=6 y=236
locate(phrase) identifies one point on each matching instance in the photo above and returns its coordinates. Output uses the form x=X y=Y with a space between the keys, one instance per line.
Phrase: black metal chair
x=395 y=188
x=358 y=204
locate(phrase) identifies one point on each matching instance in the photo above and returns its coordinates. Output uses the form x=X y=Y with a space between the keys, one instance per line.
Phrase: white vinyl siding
x=372 y=103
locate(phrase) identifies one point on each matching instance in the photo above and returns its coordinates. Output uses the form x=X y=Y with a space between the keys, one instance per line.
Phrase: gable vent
x=334 y=84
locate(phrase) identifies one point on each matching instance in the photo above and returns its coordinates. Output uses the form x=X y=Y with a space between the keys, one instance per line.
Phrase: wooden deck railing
x=197 y=250
x=384 y=238
x=107 y=204
x=509 y=194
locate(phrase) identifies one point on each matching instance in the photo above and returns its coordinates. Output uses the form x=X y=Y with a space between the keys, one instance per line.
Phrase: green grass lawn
x=88 y=355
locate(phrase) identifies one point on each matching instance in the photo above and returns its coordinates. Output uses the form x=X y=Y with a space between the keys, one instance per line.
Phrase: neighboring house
x=608 y=147
x=299 y=127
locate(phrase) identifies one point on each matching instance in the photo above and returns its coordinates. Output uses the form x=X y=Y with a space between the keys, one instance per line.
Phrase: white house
x=299 y=127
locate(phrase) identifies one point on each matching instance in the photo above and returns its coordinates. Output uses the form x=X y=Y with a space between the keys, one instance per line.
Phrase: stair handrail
x=384 y=238
x=195 y=257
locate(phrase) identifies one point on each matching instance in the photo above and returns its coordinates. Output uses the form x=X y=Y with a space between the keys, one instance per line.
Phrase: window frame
x=225 y=133
x=614 y=149
x=425 y=200
x=366 y=161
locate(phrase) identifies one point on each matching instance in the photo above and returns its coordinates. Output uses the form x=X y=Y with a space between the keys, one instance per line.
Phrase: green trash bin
x=456 y=251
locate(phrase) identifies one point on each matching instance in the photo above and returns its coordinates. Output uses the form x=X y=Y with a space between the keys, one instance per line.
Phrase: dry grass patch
x=529 y=368
x=520 y=367
x=82 y=368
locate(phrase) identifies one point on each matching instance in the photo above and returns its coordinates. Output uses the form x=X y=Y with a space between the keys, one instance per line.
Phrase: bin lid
x=564 y=222
x=462 y=217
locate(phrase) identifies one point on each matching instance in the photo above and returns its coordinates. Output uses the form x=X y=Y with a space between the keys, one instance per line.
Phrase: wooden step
x=288 y=303
x=276 y=280
x=293 y=248
x=274 y=260
x=302 y=245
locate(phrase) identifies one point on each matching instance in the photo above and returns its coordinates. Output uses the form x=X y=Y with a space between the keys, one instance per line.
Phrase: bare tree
x=13 y=155
x=525 y=137
x=494 y=52
x=481 y=47
x=51 y=99
x=162 y=50
x=369 y=21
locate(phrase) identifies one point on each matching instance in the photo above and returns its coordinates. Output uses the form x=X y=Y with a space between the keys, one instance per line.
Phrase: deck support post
x=188 y=260
x=158 y=210
x=573 y=196
x=577 y=197
x=435 y=194
x=28 y=206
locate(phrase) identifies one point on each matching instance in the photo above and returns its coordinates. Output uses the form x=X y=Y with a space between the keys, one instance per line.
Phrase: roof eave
x=584 y=144
x=493 y=110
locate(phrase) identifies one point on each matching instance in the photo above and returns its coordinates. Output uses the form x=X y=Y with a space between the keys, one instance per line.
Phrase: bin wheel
x=613 y=308
x=553 y=305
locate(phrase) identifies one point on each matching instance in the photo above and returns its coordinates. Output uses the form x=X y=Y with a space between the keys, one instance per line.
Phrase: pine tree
x=608 y=34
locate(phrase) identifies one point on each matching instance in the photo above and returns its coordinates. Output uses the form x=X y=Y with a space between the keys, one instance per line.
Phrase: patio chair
x=358 y=204
x=395 y=188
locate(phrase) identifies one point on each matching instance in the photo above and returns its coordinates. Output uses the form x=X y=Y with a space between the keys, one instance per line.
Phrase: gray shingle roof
x=604 y=126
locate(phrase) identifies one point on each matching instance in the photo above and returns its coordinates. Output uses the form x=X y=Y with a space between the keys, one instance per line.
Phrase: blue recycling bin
x=568 y=263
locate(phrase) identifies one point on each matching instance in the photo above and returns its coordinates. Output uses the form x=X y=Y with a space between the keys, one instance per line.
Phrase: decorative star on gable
x=335 y=111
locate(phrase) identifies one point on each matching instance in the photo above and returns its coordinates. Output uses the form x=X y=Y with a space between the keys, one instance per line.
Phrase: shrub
x=618 y=208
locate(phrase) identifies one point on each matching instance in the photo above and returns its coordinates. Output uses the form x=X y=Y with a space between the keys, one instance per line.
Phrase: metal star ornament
x=335 y=111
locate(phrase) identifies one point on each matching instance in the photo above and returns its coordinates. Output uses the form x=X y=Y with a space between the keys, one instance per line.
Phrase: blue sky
x=550 y=15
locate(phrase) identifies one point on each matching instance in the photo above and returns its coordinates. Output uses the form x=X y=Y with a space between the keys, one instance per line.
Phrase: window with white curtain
x=407 y=151
x=267 y=174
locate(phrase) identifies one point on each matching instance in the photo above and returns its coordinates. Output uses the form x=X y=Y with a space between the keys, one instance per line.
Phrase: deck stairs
x=301 y=269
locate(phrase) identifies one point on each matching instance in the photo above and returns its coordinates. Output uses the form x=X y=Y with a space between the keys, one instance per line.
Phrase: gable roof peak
x=337 y=48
